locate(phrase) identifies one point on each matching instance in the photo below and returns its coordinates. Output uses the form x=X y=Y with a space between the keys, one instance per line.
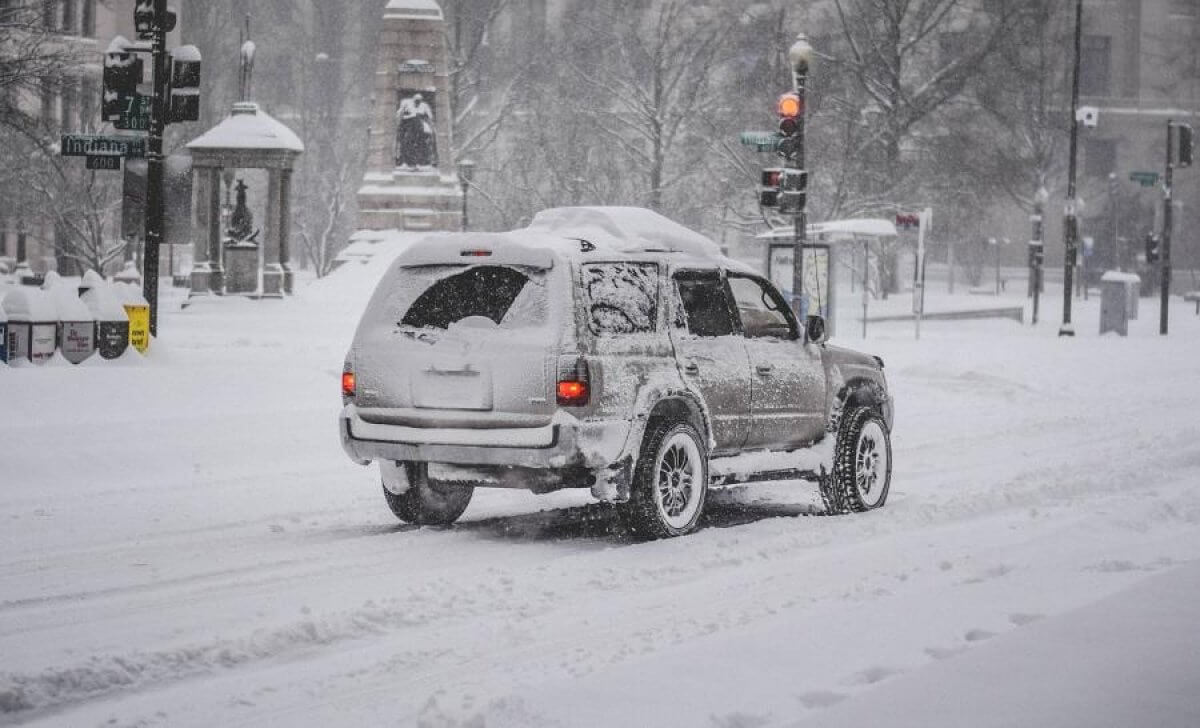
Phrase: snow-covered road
x=183 y=543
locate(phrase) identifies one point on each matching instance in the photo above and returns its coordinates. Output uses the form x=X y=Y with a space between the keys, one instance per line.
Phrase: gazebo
x=249 y=138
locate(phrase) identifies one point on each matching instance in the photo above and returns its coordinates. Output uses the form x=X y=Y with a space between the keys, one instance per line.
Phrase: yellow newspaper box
x=138 y=311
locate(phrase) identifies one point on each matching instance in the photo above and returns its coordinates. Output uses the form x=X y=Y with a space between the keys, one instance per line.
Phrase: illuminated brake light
x=475 y=253
x=573 y=393
x=347 y=384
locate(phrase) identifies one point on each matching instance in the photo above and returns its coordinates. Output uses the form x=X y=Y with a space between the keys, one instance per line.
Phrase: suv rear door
x=711 y=354
x=461 y=345
x=786 y=374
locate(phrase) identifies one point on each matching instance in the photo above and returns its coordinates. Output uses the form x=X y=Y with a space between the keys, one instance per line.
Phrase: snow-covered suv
x=602 y=348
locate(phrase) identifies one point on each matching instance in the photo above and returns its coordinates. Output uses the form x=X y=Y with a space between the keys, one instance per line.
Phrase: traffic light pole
x=154 y=165
x=1164 y=256
x=799 y=55
x=1071 y=221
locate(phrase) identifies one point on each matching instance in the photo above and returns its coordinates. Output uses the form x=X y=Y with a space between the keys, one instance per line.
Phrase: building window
x=1100 y=157
x=1095 y=69
x=1183 y=9
x=88 y=19
x=70 y=19
x=50 y=14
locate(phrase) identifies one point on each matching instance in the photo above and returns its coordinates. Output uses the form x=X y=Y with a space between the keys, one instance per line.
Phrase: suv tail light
x=574 y=383
x=347 y=384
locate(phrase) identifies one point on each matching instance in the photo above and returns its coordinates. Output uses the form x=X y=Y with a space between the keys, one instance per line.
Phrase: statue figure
x=241 y=222
x=416 y=141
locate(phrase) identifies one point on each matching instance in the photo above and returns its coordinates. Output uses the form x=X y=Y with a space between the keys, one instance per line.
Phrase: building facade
x=65 y=105
x=1140 y=67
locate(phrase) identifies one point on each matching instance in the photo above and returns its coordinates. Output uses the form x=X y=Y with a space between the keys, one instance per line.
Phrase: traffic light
x=122 y=74
x=144 y=20
x=768 y=191
x=185 y=85
x=790 y=108
x=1185 y=145
x=793 y=191
x=1036 y=255
x=1152 y=242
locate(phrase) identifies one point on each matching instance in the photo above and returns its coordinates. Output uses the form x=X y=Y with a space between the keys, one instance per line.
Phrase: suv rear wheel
x=428 y=502
x=670 y=482
x=862 y=464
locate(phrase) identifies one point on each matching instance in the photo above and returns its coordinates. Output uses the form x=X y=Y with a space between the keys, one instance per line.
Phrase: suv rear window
x=439 y=296
x=487 y=291
x=621 y=298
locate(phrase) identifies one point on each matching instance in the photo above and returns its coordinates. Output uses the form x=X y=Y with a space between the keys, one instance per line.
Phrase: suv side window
x=762 y=310
x=705 y=303
x=622 y=298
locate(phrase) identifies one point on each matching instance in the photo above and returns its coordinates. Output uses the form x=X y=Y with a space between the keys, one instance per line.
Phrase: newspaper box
x=112 y=323
x=32 y=324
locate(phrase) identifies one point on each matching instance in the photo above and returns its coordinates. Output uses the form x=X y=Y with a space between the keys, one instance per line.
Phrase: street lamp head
x=466 y=171
x=800 y=54
x=1042 y=195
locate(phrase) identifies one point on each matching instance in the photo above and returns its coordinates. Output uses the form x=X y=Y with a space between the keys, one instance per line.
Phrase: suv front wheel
x=670 y=482
x=862 y=464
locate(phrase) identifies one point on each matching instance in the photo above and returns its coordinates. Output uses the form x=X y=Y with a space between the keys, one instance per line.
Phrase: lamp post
x=1037 y=247
x=1071 y=221
x=466 y=172
x=800 y=57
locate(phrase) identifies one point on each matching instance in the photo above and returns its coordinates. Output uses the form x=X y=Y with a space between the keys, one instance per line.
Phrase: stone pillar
x=207 y=218
x=215 y=255
x=272 y=275
x=285 y=228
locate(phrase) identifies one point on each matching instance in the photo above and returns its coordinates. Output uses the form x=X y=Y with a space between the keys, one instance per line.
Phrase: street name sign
x=1145 y=179
x=104 y=161
x=82 y=145
x=136 y=117
x=762 y=141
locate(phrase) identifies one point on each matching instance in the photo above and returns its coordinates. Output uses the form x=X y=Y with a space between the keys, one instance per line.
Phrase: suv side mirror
x=814 y=330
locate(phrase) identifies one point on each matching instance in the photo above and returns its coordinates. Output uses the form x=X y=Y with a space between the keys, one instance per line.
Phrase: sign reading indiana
x=416 y=65
x=81 y=145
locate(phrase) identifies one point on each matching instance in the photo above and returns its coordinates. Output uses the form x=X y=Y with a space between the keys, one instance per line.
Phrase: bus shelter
x=825 y=243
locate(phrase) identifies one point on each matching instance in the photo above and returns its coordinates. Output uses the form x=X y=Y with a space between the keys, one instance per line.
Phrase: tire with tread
x=428 y=502
x=862 y=464
x=646 y=514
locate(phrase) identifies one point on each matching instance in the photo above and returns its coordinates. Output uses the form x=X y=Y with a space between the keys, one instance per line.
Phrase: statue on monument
x=241 y=222
x=416 y=141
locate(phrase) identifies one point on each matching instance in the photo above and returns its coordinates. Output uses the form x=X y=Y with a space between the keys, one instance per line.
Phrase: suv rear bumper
x=564 y=443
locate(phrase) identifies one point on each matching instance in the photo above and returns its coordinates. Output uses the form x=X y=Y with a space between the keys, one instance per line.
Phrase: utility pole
x=1071 y=221
x=1175 y=158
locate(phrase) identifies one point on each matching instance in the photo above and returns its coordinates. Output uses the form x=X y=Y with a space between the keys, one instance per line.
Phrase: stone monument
x=249 y=138
x=410 y=183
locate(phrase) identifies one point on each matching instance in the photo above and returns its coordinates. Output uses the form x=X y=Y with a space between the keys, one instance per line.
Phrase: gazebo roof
x=415 y=9
x=248 y=129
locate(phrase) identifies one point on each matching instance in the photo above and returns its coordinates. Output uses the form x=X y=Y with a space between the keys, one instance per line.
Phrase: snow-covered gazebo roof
x=413 y=10
x=248 y=137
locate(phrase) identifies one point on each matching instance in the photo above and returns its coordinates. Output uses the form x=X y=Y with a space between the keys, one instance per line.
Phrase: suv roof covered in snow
x=576 y=233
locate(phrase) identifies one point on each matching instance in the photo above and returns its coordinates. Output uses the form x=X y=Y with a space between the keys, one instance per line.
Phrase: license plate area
x=453 y=386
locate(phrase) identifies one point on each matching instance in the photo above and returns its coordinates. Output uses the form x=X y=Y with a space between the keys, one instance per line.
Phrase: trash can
x=76 y=323
x=1118 y=301
x=32 y=325
x=112 y=323
x=137 y=308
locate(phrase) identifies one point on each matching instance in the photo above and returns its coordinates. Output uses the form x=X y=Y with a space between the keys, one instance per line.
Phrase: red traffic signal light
x=772 y=177
x=789 y=105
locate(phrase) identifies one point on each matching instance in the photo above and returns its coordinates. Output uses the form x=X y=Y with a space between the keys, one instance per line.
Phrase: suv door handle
x=764 y=369
x=691 y=367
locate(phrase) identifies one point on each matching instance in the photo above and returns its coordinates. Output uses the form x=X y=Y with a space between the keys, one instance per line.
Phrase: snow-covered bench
x=1193 y=296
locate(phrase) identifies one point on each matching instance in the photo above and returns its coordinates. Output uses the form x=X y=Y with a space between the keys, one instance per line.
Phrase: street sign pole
x=1071 y=220
x=154 y=165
